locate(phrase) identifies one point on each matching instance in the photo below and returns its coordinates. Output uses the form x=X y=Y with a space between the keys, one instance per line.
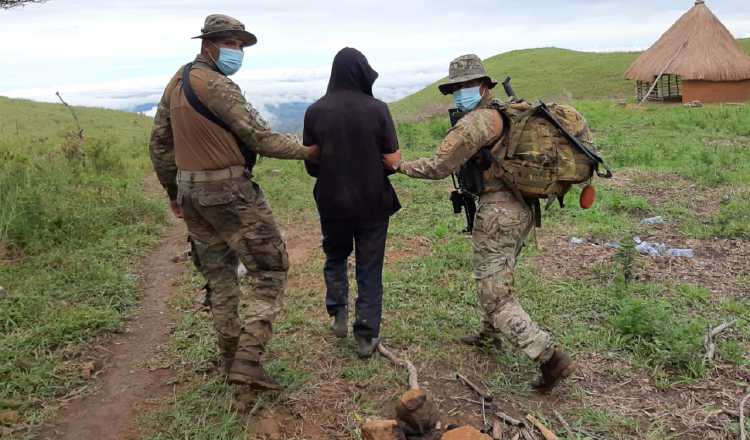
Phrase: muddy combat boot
x=340 y=324
x=366 y=346
x=252 y=375
x=557 y=368
x=482 y=340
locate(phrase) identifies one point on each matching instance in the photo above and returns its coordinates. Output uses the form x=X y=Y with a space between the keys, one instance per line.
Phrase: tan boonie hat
x=462 y=69
x=224 y=26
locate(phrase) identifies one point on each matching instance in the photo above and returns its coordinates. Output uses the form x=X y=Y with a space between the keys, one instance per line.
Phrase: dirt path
x=126 y=384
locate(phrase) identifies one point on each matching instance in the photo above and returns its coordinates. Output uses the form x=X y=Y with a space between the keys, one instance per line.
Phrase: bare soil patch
x=7 y=258
x=407 y=248
x=718 y=264
x=126 y=386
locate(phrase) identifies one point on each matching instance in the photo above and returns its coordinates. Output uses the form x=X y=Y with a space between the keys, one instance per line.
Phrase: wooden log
x=413 y=378
x=546 y=432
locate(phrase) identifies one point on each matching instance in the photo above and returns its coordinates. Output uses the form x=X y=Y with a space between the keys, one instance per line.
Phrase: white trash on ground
x=651 y=221
x=654 y=249
x=575 y=241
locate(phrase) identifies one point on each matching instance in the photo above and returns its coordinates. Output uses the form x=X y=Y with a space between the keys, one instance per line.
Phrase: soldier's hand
x=176 y=209
x=391 y=161
x=313 y=153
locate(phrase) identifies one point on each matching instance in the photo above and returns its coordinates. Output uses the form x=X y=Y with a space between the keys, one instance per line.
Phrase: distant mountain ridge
x=286 y=117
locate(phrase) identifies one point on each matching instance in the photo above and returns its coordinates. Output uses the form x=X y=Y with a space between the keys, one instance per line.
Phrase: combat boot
x=252 y=375
x=553 y=371
x=340 y=324
x=366 y=346
x=482 y=340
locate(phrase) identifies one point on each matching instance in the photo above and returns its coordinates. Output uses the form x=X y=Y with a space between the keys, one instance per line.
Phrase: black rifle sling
x=544 y=110
x=247 y=153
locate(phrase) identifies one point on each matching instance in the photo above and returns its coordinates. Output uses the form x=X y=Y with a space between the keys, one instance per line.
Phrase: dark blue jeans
x=367 y=238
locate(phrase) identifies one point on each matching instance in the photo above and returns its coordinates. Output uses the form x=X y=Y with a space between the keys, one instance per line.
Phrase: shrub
x=652 y=329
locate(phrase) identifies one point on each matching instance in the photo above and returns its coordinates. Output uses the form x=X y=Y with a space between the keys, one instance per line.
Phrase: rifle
x=509 y=89
x=461 y=197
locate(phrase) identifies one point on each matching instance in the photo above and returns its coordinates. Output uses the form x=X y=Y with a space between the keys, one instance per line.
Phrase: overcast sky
x=121 y=53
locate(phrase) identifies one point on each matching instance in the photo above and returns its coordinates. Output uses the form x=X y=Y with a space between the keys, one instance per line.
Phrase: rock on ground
x=465 y=433
x=382 y=430
x=417 y=413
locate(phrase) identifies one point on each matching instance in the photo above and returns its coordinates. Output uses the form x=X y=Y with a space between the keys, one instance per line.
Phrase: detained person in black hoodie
x=355 y=199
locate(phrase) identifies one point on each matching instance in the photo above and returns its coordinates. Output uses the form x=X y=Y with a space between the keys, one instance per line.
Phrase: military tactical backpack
x=545 y=150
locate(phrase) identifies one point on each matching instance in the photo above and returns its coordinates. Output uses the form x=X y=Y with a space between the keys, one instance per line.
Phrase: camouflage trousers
x=501 y=225
x=230 y=221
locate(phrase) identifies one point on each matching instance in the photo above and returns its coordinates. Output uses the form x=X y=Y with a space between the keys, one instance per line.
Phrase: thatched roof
x=710 y=51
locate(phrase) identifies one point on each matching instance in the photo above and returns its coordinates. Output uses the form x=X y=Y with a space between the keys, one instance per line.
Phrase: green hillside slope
x=73 y=219
x=548 y=73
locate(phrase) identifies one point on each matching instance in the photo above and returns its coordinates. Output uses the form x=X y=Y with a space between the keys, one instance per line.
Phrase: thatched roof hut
x=697 y=59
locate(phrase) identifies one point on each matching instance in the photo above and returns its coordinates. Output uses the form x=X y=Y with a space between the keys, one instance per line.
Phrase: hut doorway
x=668 y=89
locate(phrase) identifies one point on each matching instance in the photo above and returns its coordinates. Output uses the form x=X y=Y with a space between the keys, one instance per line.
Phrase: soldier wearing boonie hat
x=203 y=148
x=219 y=26
x=501 y=224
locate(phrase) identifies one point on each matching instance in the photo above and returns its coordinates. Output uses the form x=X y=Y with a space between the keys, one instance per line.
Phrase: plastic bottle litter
x=652 y=249
x=575 y=241
x=683 y=253
x=651 y=221
x=613 y=245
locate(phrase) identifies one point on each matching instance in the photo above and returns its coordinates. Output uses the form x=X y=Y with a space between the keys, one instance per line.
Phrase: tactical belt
x=212 y=175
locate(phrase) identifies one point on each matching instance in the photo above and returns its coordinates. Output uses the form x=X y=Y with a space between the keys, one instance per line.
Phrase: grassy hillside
x=73 y=215
x=639 y=340
x=547 y=73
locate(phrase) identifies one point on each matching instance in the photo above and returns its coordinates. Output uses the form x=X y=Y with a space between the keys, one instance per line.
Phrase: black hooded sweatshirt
x=353 y=130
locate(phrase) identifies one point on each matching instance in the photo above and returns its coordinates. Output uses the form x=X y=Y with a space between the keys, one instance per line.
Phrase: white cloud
x=121 y=53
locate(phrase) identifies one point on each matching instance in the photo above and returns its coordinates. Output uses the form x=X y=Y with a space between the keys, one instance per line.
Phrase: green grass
x=655 y=138
x=74 y=216
x=652 y=328
x=546 y=73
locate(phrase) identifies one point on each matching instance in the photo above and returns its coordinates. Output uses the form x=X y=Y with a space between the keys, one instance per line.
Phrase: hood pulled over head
x=351 y=71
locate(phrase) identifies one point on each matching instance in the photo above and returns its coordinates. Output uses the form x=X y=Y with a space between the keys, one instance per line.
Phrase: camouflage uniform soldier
x=501 y=224
x=207 y=177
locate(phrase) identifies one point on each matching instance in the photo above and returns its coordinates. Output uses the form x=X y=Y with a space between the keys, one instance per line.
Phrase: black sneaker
x=366 y=346
x=340 y=325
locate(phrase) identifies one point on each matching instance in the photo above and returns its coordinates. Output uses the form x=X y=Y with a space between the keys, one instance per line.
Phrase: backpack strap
x=500 y=150
x=250 y=156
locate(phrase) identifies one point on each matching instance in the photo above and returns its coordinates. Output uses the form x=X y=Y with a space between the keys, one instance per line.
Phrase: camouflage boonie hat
x=462 y=69
x=224 y=26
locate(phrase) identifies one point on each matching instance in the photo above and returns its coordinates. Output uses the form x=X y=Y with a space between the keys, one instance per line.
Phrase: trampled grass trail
x=130 y=381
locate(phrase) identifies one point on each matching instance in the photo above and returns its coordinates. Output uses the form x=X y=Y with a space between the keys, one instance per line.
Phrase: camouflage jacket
x=224 y=99
x=479 y=128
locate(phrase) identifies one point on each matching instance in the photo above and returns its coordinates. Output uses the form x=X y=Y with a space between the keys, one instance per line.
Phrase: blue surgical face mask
x=230 y=60
x=467 y=99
